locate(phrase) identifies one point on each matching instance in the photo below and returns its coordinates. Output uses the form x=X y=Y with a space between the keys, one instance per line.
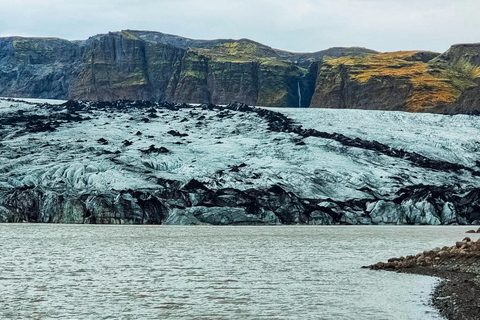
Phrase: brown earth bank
x=458 y=294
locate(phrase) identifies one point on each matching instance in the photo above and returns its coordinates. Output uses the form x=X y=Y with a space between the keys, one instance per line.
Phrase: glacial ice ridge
x=139 y=162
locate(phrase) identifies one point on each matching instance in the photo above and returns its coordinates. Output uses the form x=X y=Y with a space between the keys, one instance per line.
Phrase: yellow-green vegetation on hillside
x=32 y=43
x=28 y=49
x=244 y=65
x=241 y=52
x=129 y=80
x=272 y=97
x=194 y=66
x=235 y=52
x=475 y=72
x=434 y=84
x=194 y=74
x=128 y=35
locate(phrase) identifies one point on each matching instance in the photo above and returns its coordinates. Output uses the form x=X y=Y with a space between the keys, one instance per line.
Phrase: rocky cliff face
x=139 y=65
x=241 y=71
x=142 y=65
x=38 y=68
x=408 y=81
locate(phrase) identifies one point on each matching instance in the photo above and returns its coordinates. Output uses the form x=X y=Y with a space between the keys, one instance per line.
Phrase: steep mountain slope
x=38 y=68
x=152 y=163
x=413 y=81
x=142 y=65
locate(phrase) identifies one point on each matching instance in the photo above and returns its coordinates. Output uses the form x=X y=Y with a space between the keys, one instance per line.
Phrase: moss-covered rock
x=242 y=71
x=37 y=67
x=192 y=82
x=407 y=80
x=114 y=68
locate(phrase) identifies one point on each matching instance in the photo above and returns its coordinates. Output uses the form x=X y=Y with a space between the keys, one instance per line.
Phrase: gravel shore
x=458 y=294
x=457 y=297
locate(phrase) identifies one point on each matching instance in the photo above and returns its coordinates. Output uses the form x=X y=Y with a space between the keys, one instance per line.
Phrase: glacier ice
x=252 y=165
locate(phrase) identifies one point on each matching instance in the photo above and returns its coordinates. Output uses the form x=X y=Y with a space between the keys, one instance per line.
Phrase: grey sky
x=299 y=25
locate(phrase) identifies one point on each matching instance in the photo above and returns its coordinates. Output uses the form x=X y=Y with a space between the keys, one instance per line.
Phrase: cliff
x=142 y=65
x=38 y=68
x=413 y=81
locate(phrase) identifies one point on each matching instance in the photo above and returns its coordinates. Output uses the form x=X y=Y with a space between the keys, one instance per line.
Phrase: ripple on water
x=91 y=272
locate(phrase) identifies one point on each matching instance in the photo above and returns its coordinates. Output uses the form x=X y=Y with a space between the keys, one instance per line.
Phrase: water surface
x=131 y=272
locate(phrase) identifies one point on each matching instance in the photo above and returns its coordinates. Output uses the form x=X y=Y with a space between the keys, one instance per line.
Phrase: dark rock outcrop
x=194 y=203
x=464 y=256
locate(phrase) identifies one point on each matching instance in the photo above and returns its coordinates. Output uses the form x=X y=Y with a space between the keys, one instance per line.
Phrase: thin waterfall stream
x=299 y=95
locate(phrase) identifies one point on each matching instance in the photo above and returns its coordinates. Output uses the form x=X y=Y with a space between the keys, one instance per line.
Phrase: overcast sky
x=295 y=25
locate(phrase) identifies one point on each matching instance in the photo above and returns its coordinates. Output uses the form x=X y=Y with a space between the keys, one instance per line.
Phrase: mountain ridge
x=148 y=65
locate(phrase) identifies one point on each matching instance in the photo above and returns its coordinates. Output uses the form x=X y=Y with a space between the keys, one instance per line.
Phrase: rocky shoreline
x=457 y=295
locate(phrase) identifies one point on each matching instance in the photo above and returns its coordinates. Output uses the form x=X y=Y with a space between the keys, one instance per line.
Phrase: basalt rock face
x=38 y=68
x=140 y=65
x=119 y=65
x=412 y=81
x=143 y=65
x=137 y=162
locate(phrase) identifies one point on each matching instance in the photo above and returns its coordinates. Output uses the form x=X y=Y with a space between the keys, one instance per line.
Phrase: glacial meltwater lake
x=247 y=272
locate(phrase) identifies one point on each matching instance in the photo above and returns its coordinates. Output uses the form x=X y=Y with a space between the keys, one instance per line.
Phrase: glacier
x=140 y=162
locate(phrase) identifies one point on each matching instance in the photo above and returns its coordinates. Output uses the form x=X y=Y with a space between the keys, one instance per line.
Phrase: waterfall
x=299 y=95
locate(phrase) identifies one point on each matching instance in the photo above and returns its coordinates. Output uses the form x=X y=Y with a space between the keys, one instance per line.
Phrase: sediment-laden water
x=130 y=272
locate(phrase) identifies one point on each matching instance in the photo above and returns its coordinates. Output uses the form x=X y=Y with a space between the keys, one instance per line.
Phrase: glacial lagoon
x=207 y=272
